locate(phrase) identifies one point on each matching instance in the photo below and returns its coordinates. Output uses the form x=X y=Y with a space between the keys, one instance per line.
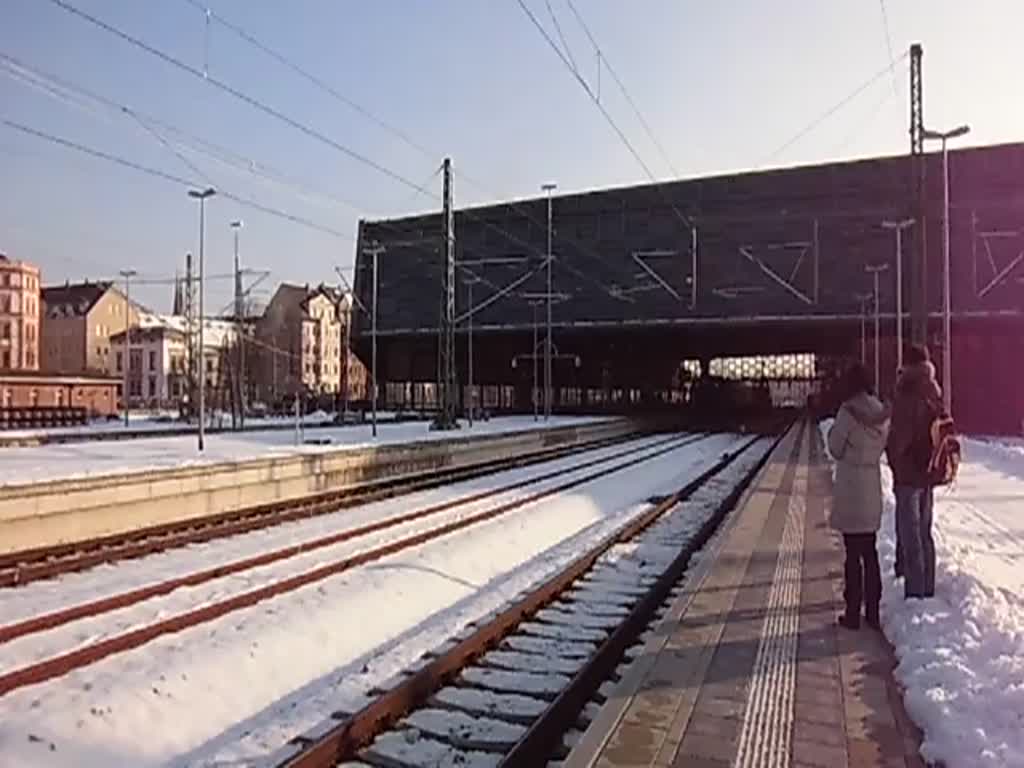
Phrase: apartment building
x=300 y=342
x=78 y=320
x=19 y=315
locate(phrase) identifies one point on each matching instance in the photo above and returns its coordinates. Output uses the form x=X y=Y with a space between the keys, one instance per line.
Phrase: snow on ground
x=73 y=460
x=961 y=653
x=240 y=686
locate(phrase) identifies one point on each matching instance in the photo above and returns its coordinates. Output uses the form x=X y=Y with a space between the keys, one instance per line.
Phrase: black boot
x=871 y=619
x=849 y=622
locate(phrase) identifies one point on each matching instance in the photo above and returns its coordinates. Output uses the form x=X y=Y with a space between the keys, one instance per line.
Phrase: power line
x=833 y=109
x=603 y=58
x=561 y=36
x=80 y=97
x=310 y=77
x=164 y=175
x=583 y=83
x=333 y=92
x=237 y=94
x=888 y=45
x=254 y=102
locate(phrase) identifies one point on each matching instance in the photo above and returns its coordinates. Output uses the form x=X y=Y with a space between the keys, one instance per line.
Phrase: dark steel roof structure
x=779 y=246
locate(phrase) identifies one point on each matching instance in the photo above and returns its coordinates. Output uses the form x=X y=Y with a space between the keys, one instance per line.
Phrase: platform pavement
x=748 y=667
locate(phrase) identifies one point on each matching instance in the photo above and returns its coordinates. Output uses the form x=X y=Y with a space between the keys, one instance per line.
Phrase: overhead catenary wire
x=888 y=46
x=310 y=77
x=170 y=177
x=238 y=94
x=832 y=110
x=324 y=86
x=80 y=97
x=603 y=59
x=271 y=111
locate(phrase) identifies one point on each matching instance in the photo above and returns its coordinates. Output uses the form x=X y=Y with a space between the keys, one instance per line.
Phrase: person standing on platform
x=917 y=404
x=856 y=513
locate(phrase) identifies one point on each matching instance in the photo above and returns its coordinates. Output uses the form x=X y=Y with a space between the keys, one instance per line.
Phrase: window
x=5 y=331
x=152 y=360
x=7 y=398
x=120 y=361
x=58 y=398
x=99 y=351
x=152 y=386
x=33 y=398
x=31 y=358
x=209 y=365
x=7 y=359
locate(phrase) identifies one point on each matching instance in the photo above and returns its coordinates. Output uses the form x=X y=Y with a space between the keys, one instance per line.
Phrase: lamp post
x=127 y=274
x=898 y=227
x=240 y=323
x=201 y=196
x=863 y=298
x=876 y=270
x=470 y=282
x=947 y=351
x=548 y=390
x=375 y=251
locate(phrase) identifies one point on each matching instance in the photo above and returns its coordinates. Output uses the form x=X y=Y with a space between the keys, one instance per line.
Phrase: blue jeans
x=914 y=533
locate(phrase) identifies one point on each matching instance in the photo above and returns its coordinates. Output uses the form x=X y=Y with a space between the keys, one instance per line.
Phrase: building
x=19 y=315
x=157 y=365
x=652 y=277
x=159 y=360
x=78 y=320
x=98 y=395
x=299 y=342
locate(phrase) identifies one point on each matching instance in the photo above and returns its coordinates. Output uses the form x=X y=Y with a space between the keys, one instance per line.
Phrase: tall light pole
x=536 y=392
x=201 y=196
x=947 y=351
x=240 y=326
x=863 y=298
x=470 y=282
x=127 y=274
x=548 y=389
x=875 y=270
x=375 y=251
x=898 y=227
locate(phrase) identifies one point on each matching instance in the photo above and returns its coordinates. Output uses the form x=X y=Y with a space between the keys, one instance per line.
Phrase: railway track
x=26 y=566
x=64 y=661
x=507 y=692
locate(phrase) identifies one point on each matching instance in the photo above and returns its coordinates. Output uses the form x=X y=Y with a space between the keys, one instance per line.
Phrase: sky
x=724 y=86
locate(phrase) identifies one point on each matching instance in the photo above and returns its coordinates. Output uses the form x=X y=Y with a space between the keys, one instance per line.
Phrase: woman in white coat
x=857 y=447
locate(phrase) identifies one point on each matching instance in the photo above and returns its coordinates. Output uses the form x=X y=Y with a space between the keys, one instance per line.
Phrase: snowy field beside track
x=961 y=653
x=237 y=687
x=35 y=464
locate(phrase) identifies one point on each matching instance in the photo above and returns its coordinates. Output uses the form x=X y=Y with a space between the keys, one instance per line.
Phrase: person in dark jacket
x=917 y=403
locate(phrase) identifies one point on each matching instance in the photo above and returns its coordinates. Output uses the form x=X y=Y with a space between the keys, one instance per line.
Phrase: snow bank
x=961 y=653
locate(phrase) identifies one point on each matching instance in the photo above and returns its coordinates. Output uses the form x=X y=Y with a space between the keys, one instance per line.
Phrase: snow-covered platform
x=748 y=667
x=61 y=493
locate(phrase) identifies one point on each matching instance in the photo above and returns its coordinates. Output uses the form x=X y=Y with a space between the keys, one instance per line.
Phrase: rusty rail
x=343 y=740
x=26 y=566
x=63 y=663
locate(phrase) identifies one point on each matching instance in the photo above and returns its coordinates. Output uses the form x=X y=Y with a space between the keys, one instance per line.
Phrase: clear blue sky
x=722 y=84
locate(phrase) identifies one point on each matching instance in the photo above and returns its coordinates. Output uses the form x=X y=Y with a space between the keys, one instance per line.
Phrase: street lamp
x=240 y=327
x=549 y=188
x=127 y=274
x=201 y=196
x=947 y=363
x=863 y=298
x=876 y=270
x=898 y=227
x=470 y=282
x=375 y=251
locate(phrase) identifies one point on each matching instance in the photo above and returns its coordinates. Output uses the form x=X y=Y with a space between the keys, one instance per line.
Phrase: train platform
x=748 y=666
